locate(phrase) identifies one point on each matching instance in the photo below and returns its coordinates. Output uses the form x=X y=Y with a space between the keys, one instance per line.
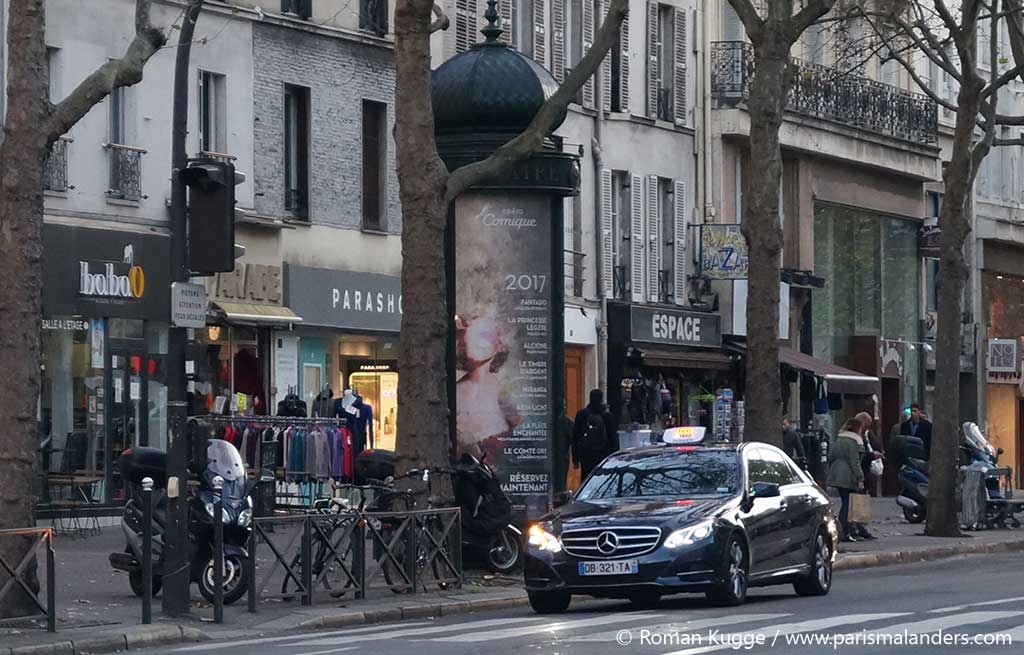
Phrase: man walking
x=594 y=435
x=792 y=444
x=918 y=426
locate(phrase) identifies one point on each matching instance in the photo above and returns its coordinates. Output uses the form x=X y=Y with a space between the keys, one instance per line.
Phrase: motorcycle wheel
x=913 y=515
x=236 y=579
x=135 y=580
x=504 y=552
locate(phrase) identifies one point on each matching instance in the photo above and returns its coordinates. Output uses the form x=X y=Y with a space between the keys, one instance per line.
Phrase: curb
x=869 y=560
x=139 y=637
x=419 y=611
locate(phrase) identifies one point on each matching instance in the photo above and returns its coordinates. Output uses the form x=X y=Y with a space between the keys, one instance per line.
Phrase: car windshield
x=670 y=472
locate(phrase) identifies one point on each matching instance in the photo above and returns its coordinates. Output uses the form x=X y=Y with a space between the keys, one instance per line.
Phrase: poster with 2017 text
x=503 y=343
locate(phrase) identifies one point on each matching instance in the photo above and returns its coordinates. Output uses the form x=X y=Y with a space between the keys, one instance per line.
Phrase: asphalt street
x=964 y=605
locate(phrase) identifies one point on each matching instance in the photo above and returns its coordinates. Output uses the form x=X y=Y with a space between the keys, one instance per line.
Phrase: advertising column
x=503 y=339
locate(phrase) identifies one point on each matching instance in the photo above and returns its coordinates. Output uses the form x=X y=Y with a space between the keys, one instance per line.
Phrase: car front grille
x=594 y=543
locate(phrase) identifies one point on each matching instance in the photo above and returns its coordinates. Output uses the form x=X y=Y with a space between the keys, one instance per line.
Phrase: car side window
x=757 y=469
x=778 y=469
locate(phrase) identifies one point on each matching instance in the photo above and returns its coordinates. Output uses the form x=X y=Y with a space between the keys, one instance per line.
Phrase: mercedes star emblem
x=607 y=543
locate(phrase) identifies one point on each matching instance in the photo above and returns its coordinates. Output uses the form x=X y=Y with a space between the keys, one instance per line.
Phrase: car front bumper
x=664 y=571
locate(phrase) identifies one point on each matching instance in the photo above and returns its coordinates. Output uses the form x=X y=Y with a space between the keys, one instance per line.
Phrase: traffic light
x=211 y=215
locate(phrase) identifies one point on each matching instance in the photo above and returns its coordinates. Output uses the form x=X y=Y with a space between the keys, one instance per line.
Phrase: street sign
x=188 y=305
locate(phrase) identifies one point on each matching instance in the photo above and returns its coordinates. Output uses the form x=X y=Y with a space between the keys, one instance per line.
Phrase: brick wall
x=340 y=75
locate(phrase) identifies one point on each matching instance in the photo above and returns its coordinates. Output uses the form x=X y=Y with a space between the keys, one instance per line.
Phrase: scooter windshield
x=974 y=435
x=223 y=459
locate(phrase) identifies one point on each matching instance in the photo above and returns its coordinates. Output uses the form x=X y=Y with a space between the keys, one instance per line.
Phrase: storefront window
x=872 y=285
x=369 y=366
x=226 y=361
x=156 y=345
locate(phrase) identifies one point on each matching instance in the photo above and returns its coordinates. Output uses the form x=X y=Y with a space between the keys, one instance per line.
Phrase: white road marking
x=671 y=628
x=327 y=652
x=793 y=628
x=269 y=640
x=389 y=632
x=558 y=626
x=934 y=625
x=958 y=608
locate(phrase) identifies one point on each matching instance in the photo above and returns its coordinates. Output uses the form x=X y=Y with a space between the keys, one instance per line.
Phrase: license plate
x=610 y=567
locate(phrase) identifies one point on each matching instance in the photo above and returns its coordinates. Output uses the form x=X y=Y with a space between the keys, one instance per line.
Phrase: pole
x=176 y=573
x=218 y=549
x=147 y=551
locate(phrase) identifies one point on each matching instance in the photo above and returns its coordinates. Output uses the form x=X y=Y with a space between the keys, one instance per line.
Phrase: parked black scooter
x=222 y=460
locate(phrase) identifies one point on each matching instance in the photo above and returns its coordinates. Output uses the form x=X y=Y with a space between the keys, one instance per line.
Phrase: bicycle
x=329 y=553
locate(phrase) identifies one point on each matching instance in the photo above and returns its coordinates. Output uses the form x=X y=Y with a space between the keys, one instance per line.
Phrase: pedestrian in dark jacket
x=844 y=471
x=560 y=456
x=920 y=427
x=792 y=443
x=594 y=435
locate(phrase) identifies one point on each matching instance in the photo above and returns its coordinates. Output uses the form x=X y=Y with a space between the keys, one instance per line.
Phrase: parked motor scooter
x=222 y=460
x=913 y=477
x=980 y=453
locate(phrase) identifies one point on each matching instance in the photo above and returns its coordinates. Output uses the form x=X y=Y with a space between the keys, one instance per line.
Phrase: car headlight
x=245 y=518
x=543 y=540
x=690 y=535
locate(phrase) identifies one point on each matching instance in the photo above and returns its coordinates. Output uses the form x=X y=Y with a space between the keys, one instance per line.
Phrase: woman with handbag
x=845 y=472
x=872 y=465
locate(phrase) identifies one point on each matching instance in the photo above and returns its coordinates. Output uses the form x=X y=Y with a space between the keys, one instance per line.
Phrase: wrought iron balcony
x=666 y=109
x=830 y=94
x=55 y=169
x=619 y=288
x=574 y=273
x=665 y=291
x=125 y=172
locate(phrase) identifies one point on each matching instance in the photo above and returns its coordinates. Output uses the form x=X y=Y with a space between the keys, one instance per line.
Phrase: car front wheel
x=732 y=590
x=819 y=581
x=549 y=602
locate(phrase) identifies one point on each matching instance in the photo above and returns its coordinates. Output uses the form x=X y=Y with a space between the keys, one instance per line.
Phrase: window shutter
x=637 y=242
x=607 y=235
x=624 y=65
x=505 y=11
x=588 y=41
x=606 y=68
x=681 y=113
x=732 y=28
x=679 y=246
x=652 y=59
x=558 y=39
x=539 y=33
x=653 y=239
x=465 y=23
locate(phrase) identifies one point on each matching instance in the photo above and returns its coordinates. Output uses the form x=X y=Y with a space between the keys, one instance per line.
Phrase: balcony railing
x=125 y=172
x=219 y=156
x=55 y=169
x=665 y=291
x=830 y=94
x=574 y=273
x=666 y=111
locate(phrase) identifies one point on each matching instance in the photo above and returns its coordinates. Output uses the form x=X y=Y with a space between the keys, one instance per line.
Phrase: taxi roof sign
x=685 y=435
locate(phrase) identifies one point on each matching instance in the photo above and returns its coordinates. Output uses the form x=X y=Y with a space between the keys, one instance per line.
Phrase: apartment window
x=373 y=16
x=620 y=72
x=522 y=26
x=667 y=63
x=212 y=112
x=118 y=115
x=375 y=151
x=296 y=150
x=666 y=70
x=301 y=8
x=53 y=73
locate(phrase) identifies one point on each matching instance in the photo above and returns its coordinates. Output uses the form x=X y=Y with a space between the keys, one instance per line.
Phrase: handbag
x=877 y=467
x=860 y=508
x=820 y=398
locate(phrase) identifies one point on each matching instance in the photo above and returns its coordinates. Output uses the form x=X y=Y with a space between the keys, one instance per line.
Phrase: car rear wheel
x=549 y=602
x=732 y=590
x=819 y=581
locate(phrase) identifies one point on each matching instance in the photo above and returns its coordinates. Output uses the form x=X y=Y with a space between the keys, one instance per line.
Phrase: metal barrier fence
x=14 y=579
x=315 y=556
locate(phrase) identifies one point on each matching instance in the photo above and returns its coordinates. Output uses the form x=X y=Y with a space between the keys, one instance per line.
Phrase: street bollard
x=218 y=550
x=307 y=561
x=251 y=570
x=147 y=551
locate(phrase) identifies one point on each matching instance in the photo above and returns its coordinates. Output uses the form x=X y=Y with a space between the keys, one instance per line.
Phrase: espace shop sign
x=110 y=282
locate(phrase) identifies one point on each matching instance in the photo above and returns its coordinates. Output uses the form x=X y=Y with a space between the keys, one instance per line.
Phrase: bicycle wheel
x=337 y=577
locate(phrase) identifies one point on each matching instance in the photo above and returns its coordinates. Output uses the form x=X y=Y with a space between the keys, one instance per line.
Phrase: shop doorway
x=891 y=408
x=128 y=418
x=575 y=379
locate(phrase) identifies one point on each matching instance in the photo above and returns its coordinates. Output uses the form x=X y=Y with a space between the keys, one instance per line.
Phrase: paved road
x=979 y=598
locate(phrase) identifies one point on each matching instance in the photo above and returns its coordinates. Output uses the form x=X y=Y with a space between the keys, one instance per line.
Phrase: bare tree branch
x=811 y=12
x=116 y=73
x=752 y=22
x=533 y=137
x=441 y=22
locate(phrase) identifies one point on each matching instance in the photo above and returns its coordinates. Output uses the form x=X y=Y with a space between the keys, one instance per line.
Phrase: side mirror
x=765 y=490
x=561 y=498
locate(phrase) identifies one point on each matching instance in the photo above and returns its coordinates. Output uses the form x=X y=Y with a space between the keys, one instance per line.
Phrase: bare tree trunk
x=32 y=125
x=762 y=230
x=422 y=386
x=21 y=236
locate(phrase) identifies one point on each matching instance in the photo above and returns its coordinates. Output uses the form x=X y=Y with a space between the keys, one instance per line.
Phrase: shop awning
x=840 y=380
x=710 y=359
x=253 y=314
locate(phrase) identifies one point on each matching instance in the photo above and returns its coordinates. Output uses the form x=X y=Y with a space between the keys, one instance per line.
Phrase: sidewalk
x=97 y=611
